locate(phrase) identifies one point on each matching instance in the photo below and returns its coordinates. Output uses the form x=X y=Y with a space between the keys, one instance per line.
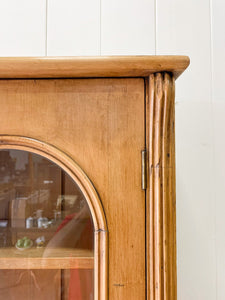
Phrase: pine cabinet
x=87 y=178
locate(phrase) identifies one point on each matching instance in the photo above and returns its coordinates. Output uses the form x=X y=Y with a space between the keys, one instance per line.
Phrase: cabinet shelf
x=58 y=258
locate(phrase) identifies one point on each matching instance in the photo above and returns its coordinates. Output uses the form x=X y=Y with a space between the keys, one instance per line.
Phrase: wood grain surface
x=34 y=258
x=161 y=196
x=98 y=66
x=99 y=123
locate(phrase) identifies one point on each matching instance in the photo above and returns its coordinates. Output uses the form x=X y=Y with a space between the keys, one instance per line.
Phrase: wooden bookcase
x=108 y=122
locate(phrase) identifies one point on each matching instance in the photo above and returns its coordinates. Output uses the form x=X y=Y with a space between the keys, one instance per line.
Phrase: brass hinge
x=144 y=169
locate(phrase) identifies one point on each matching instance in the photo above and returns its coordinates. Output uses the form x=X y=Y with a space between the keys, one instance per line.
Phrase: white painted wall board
x=22 y=27
x=73 y=28
x=195 y=202
x=219 y=173
x=127 y=27
x=218 y=49
x=183 y=28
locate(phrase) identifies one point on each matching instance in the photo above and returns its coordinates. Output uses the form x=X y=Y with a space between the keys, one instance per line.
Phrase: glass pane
x=46 y=231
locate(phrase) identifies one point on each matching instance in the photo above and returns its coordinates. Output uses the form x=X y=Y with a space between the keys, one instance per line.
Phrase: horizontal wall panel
x=22 y=27
x=127 y=27
x=183 y=27
x=73 y=27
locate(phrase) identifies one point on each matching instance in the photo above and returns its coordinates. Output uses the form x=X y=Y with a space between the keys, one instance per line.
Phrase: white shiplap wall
x=73 y=27
x=22 y=27
x=194 y=28
x=218 y=104
x=127 y=27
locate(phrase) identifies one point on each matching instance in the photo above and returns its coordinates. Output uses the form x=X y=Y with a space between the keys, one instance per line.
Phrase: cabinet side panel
x=161 y=198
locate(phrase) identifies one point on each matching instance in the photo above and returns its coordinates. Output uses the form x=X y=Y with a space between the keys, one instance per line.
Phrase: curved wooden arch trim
x=75 y=172
x=161 y=192
x=68 y=165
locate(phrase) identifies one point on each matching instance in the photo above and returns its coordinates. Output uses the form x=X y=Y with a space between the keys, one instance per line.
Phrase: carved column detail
x=161 y=193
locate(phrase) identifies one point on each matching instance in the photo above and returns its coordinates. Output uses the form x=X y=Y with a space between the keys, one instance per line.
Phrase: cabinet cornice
x=96 y=66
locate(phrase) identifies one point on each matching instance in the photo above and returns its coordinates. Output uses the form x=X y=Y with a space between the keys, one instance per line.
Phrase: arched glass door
x=46 y=231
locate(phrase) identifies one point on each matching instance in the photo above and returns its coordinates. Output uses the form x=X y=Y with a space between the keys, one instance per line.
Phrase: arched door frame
x=77 y=174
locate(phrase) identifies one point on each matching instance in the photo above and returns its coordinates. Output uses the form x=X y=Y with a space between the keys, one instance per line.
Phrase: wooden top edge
x=95 y=66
